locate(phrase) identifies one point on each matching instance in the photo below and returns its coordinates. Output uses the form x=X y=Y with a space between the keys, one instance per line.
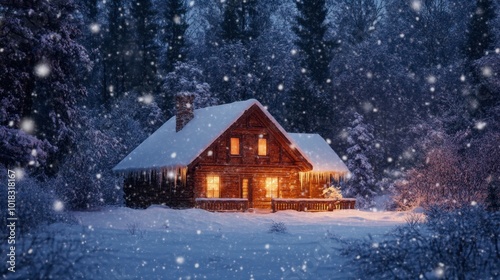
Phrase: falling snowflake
x=431 y=79
x=146 y=99
x=416 y=5
x=480 y=125
x=58 y=205
x=179 y=260
x=487 y=71
x=95 y=28
x=28 y=125
x=177 y=19
x=42 y=70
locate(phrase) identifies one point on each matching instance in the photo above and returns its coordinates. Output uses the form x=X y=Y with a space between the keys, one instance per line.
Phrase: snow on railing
x=222 y=204
x=312 y=204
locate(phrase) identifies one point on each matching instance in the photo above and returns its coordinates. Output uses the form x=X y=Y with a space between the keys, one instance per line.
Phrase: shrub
x=278 y=227
x=459 y=244
x=34 y=204
x=51 y=254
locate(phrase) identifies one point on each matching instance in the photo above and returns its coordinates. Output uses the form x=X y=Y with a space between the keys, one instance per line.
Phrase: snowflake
x=480 y=125
x=42 y=70
x=95 y=28
x=146 y=99
x=58 y=205
x=416 y=5
x=179 y=260
x=28 y=125
x=487 y=71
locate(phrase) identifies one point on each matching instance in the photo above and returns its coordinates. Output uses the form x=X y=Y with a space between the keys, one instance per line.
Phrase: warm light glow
x=213 y=186
x=272 y=187
x=262 y=149
x=244 y=188
x=235 y=146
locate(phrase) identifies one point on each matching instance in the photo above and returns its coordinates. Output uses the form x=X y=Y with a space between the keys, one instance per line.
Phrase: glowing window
x=244 y=188
x=272 y=187
x=235 y=146
x=213 y=186
x=262 y=147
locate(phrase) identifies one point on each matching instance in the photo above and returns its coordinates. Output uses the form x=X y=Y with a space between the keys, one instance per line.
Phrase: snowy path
x=195 y=244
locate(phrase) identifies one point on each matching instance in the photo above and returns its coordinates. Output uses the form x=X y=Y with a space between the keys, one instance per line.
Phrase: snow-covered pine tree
x=174 y=33
x=117 y=52
x=40 y=78
x=480 y=36
x=146 y=56
x=315 y=49
x=187 y=77
x=362 y=184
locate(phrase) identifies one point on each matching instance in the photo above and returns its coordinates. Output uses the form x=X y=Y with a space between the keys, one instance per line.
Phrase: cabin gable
x=245 y=171
x=250 y=130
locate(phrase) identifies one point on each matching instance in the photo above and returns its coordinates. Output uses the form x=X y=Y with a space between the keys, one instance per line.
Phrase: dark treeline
x=392 y=84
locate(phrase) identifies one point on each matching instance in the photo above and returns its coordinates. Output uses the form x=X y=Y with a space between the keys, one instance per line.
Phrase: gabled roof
x=166 y=148
x=319 y=153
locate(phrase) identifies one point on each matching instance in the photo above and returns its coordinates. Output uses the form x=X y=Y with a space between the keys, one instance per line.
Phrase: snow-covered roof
x=319 y=153
x=166 y=148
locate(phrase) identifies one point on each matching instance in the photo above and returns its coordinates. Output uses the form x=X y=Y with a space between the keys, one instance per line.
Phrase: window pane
x=262 y=149
x=235 y=146
x=244 y=188
x=272 y=187
x=213 y=186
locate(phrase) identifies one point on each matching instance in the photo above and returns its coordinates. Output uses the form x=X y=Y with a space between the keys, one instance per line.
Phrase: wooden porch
x=277 y=204
x=222 y=204
x=312 y=204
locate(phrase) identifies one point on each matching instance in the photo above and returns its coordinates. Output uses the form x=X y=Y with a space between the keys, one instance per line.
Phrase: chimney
x=185 y=109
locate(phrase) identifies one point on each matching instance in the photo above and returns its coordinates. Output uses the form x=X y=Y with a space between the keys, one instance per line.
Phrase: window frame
x=238 y=146
x=272 y=192
x=212 y=192
x=266 y=151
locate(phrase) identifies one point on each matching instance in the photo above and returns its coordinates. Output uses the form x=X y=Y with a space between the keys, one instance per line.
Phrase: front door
x=246 y=191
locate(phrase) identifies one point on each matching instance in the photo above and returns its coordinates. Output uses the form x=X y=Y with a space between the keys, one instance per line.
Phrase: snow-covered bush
x=52 y=254
x=451 y=176
x=36 y=205
x=461 y=244
x=332 y=192
x=278 y=227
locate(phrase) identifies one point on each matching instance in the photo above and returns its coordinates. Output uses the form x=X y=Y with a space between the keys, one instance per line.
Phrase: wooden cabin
x=228 y=157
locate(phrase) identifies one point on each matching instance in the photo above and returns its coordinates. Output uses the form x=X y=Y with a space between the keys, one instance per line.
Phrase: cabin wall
x=152 y=187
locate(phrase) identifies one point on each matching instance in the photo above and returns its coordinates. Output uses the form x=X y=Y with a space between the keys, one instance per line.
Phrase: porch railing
x=312 y=204
x=222 y=204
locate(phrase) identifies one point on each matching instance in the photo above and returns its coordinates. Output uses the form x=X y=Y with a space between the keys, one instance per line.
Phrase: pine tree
x=362 y=183
x=314 y=48
x=117 y=52
x=480 y=34
x=175 y=26
x=40 y=77
x=147 y=49
x=187 y=77
x=240 y=21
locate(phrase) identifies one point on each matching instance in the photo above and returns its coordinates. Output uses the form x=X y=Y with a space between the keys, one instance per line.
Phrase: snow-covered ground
x=162 y=243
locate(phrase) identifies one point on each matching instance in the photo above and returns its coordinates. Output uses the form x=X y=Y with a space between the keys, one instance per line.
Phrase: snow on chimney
x=185 y=109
